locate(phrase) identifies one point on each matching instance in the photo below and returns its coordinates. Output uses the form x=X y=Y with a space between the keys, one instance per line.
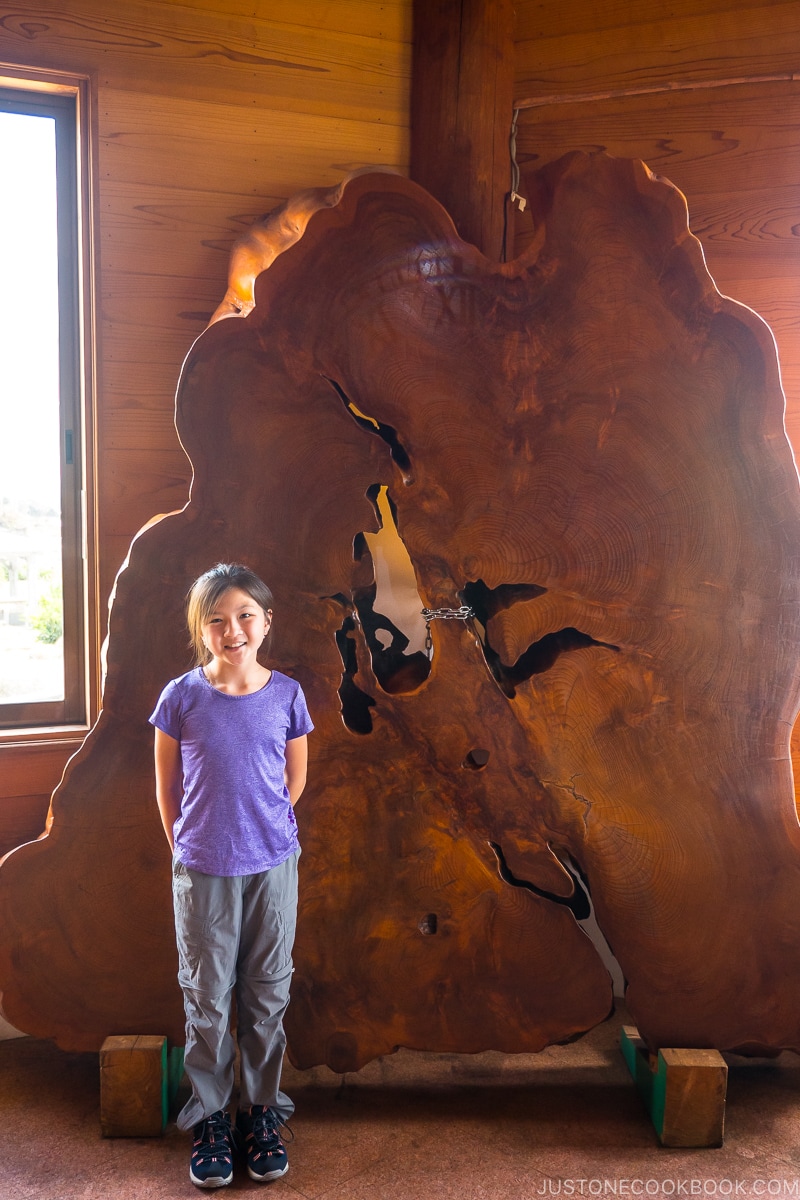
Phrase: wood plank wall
x=732 y=147
x=207 y=114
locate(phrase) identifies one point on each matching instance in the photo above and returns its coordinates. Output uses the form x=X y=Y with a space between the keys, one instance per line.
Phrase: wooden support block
x=693 y=1084
x=134 y=1086
x=683 y=1090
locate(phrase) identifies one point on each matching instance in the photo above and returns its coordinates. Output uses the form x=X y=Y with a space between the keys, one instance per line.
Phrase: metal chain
x=443 y=614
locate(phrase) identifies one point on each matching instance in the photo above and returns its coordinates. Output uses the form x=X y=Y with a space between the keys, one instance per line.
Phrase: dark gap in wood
x=355 y=703
x=386 y=432
x=340 y=598
x=541 y=655
x=578 y=903
x=360 y=547
x=476 y=759
x=494 y=600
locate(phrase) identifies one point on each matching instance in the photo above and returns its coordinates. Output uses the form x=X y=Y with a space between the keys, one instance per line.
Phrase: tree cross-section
x=584 y=447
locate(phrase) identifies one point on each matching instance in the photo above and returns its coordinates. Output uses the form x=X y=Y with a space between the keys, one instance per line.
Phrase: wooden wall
x=207 y=114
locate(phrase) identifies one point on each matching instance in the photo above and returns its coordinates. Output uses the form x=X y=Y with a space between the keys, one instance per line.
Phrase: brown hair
x=206 y=592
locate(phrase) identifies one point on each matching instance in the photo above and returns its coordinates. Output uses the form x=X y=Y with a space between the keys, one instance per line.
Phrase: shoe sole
x=269 y=1176
x=211 y=1183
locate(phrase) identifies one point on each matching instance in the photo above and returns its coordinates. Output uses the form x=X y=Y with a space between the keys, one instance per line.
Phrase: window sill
x=46 y=737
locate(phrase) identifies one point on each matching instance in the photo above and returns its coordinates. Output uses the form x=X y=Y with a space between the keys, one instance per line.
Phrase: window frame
x=66 y=97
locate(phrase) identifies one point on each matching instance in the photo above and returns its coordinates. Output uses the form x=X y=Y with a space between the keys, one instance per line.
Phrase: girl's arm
x=296 y=767
x=169 y=781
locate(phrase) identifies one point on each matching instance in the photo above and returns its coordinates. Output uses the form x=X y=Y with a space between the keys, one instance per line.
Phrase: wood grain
x=588 y=447
x=259 y=62
x=139 y=143
x=132 y=1070
x=388 y=21
x=593 y=48
x=695 y=1084
x=535 y=21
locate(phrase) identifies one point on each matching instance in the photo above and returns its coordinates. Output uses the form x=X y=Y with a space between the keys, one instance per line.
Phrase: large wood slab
x=585 y=445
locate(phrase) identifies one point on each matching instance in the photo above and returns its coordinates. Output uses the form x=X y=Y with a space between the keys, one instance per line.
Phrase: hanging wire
x=512 y=197
x=512 y=149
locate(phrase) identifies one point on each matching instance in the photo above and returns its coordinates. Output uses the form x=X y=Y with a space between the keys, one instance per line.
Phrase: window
x=43 y=579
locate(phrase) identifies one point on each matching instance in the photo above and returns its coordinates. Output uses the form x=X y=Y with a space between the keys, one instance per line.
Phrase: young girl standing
x=231 y=754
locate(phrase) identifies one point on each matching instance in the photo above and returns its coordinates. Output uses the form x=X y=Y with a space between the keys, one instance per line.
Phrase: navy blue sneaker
x=266 y=1154
x=212 y=1153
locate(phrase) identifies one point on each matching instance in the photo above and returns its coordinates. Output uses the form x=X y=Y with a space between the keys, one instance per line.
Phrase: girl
x=231 y=754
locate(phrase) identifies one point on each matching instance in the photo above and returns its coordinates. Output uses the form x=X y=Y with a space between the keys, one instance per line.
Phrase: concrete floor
x=416 y=1127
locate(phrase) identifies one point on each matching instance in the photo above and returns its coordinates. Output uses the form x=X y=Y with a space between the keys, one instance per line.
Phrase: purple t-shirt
x=236 y=818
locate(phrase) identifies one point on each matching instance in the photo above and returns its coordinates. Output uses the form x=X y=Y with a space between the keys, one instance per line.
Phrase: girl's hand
x=296 y=767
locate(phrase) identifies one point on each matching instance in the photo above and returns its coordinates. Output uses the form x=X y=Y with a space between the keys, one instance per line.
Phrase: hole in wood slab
x=395 y=669
x=355 y=703
x=390 y=609
x=590 y=926
x=490 y=601
x=540 y=656
x=386 y=432
x=476 y=759
x=429 y=924
x=578 y=903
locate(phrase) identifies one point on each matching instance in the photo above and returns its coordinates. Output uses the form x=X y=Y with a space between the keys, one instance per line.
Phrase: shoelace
x=214 y=1140
x=266 y=1130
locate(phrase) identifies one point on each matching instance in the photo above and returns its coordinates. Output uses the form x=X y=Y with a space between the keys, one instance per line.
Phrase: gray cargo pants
x=234 y=932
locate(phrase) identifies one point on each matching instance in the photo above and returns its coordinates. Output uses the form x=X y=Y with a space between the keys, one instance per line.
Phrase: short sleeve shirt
x=236 y=817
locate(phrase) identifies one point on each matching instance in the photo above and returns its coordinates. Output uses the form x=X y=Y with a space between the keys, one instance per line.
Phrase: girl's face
x=236 y=628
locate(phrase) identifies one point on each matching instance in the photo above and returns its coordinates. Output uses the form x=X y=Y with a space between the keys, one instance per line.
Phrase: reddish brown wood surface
x=587 y=446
